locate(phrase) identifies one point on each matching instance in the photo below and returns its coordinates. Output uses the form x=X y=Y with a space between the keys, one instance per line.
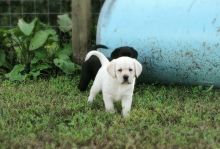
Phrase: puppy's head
x=124 y=51
x=124 y=69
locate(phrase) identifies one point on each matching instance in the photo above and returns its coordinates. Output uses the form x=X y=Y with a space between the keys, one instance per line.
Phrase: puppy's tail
x=101 y=56
x=99 y=46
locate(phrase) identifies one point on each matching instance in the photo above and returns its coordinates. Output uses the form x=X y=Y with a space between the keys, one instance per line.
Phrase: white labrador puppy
x=116 y=80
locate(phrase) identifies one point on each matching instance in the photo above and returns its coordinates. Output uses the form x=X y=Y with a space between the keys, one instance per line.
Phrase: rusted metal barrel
x=178 y=41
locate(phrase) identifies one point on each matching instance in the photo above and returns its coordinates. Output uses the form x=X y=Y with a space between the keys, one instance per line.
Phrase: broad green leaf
x=66 y=66
x=51 y=31
x=35 y=72
x=26 y=28
x=15 y=74
x=65 y=23
x=39 y=39
x=52 y=48
x=65 y=51
x=64 y=57
x=39 y=55
x=53 y=35
x=40 y=67
x=53 y=38
x=2 y=58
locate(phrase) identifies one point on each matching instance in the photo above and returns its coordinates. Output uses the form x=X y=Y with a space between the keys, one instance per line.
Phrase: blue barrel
x=178 y=41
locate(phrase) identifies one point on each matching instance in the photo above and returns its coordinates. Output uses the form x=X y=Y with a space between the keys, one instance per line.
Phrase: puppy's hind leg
x=84 y=80
x=96 y=88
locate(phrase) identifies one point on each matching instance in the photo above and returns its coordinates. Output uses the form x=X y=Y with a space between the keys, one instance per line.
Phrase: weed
x=54 y=114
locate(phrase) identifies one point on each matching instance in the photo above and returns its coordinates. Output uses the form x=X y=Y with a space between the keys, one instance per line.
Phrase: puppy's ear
x=138 y=68
x=134 y=53
x=111 y=69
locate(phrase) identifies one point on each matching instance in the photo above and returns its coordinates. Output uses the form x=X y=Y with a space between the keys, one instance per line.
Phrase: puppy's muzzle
x=125 y=79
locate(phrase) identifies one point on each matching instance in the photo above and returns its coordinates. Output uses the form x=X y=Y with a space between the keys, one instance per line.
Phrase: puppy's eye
x=130 y=69
x=120 y=70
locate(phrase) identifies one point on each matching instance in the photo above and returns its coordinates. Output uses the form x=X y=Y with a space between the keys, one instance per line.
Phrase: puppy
x=90 y=69
x=116 y=80
x=124 y=51
x=93 y=64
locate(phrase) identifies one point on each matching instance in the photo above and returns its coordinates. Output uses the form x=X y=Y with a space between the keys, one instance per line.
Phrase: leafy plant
x=37 y=49
x=63 y=60
x=2 y=52
x=7 y=55
x=26 y=39
x=17 y=73
x=65 y=28
x=65 y=23
x=2 y=58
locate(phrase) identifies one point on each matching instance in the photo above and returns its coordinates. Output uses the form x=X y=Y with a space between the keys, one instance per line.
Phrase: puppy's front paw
x=90 y=100
x=110 y=110
x=125 y=114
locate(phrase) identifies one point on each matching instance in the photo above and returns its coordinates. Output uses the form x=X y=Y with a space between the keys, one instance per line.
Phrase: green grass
x=54 y=114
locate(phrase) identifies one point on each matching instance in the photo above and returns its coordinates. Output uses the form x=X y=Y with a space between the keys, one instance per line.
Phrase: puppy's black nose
x=125 y=77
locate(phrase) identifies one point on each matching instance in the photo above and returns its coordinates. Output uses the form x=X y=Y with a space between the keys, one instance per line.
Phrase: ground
x=52 y=113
